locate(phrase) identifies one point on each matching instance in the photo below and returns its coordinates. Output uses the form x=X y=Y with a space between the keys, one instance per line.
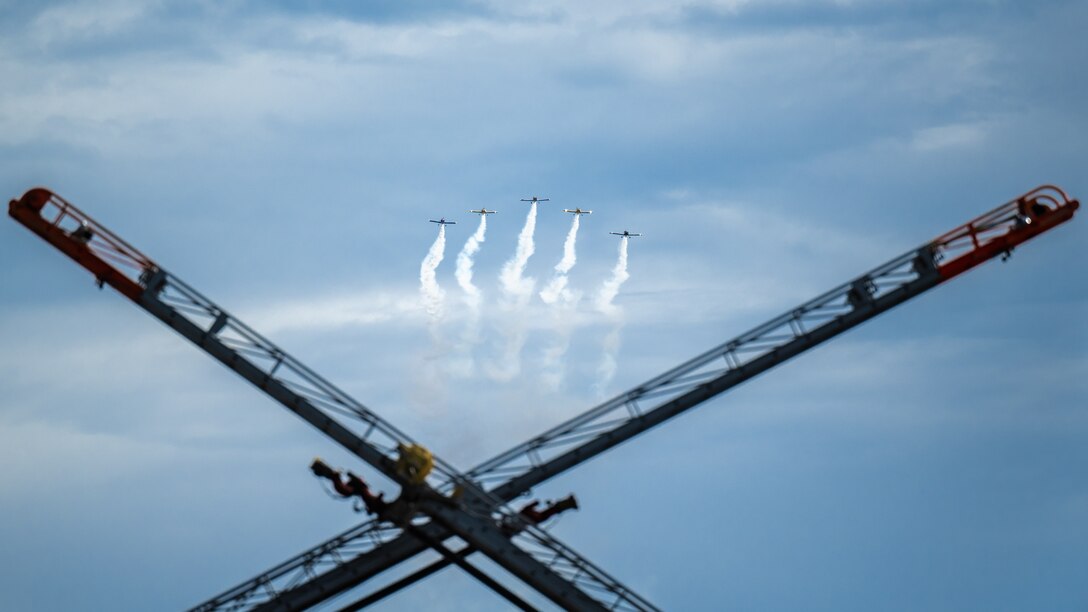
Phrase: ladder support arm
x=740 y=359
x=314 y=399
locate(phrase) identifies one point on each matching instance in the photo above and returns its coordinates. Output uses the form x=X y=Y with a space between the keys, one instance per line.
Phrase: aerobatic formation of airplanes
x=574 y=211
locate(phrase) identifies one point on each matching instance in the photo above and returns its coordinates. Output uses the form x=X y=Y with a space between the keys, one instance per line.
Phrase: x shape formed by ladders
x=473 y=506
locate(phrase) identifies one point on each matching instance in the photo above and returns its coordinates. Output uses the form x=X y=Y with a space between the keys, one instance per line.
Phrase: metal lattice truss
x=473 y=505
x=274 y=366
x=517 y=470
x=276 y=589
x=520 y=468
x=724 y=366
x=482 y=520
x=305 y=567
x=565 y=563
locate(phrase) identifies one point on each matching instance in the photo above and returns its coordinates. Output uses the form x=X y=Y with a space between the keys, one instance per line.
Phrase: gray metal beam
x=770 y=344
x=704 y=391
x=458 y=559
x=315 y=400
x=484 y=535
x=406 y=581
x=302 y=391
x=922 y=276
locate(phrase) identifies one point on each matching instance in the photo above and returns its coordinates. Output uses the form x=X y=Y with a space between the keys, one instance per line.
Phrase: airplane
x=534 y=200
x=443 y=221
x=484 y=211
x=625 y=234
x=578 y=211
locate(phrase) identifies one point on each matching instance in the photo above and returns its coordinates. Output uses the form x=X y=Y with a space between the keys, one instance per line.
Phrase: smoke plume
x=464 y=265
x=432 y=294
x=431 y=390
x=462 y=364
x=512 y=277
x=605 y=297
x=517 y=289
x=563 y=302
x=612 y=284
x=558 y=284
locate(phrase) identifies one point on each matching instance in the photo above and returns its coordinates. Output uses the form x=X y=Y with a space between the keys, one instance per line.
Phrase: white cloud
x=360 y=309
x=959 y=135
x=747 y=225
x=735 y=150
x=96 y=459
x=70 y=20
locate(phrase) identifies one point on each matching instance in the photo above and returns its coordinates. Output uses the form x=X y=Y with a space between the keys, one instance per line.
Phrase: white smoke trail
x=607 y=369
x=462 y=364
x=432 y=294
x=512 y=277
x=611 y=286
x=552 y=366
x=563 y=302
x=611 y=345
x=517 y=289
x=464 y=265
x=558 y=284
x=431 y=390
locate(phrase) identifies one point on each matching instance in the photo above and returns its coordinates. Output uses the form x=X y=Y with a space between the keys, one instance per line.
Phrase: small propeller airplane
x=443 y=221
x=484 y=211
x=625 y=234
x=535 y=199
x=578 y=211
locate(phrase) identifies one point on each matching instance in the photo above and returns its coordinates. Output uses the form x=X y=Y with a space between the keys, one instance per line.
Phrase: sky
x=284 y=159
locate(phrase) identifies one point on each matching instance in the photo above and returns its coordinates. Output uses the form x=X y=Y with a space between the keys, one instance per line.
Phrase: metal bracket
x=861 y=293
x=219 y=323
x=153 y=280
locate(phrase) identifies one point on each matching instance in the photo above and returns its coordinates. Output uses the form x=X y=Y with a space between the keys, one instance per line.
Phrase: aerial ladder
x=350 y=558
x=444 y=503
x=441 y=496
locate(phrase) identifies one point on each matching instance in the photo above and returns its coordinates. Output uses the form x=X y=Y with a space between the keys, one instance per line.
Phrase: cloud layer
x=284 y=160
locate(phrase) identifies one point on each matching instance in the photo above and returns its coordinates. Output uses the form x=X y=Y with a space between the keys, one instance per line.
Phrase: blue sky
x=284 y=157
